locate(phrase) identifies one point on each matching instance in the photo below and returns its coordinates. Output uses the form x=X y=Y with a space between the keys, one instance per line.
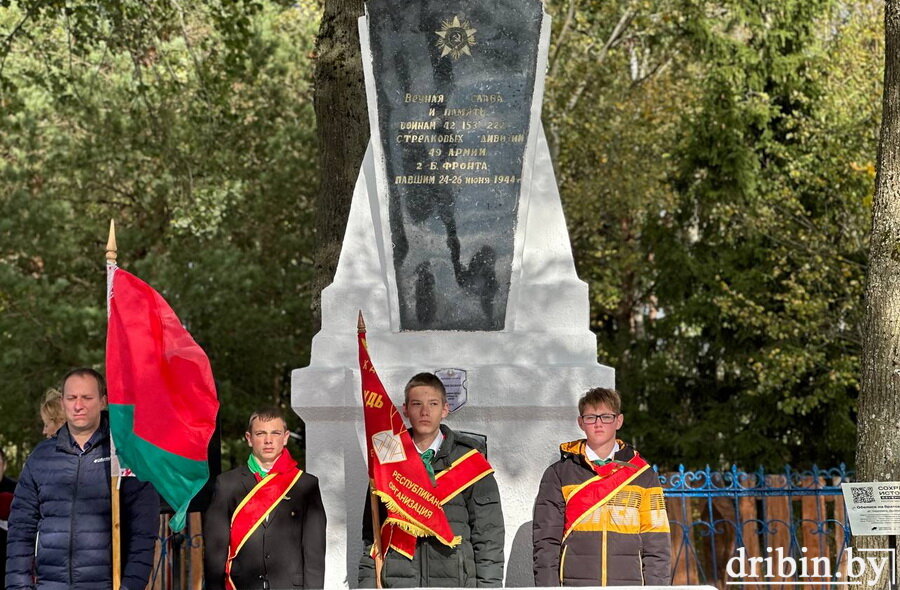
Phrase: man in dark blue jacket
x=60 y=521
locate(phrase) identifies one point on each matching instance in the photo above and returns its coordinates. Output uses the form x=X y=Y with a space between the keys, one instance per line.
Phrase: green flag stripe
x=175 y=478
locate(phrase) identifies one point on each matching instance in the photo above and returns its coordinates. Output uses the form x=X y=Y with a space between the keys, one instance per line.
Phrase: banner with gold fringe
x=450 y=482
x=396 y=472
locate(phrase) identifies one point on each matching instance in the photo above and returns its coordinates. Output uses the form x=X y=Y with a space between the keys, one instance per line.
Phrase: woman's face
x=50 y=425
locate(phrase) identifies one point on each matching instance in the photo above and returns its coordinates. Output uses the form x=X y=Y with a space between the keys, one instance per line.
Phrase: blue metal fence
x=178 y=564
x=718 y=515
x=714 y=516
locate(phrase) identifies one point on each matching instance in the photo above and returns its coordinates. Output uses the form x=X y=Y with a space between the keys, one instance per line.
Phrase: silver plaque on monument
x=454 y=381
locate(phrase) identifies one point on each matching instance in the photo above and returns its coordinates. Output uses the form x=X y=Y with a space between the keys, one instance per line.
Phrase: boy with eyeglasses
x=600 y=517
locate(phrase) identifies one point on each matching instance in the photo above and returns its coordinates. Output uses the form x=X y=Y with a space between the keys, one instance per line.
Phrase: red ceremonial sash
x=461 y=474
x=257 y=505
x=598 y=490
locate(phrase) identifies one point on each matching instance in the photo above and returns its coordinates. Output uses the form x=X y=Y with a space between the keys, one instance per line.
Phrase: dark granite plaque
x=454 y=82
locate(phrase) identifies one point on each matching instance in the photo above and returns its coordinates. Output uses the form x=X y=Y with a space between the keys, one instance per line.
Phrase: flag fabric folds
x=162 y=398
x=396 y=472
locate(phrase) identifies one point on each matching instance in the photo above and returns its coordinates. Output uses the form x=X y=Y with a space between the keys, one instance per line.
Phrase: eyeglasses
x=604 y=418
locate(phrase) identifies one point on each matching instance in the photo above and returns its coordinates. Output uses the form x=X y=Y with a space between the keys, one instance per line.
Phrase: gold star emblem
x=455 y=38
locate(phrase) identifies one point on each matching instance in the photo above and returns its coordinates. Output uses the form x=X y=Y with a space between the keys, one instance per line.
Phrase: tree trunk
x=878 y=438
x=343 y=131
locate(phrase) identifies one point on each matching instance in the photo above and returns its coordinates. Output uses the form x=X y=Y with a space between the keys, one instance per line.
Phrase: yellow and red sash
x=257 y=505
x=461 y=474
x=598 y=490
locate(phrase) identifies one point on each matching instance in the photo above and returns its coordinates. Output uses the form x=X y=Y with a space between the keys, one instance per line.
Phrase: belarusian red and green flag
x=162 y=398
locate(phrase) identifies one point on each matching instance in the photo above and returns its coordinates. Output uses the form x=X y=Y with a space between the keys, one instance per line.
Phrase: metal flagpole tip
x=111 y=250
x=361 y=323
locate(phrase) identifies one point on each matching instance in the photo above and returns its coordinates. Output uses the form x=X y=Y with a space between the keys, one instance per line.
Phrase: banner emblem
x=388 y=447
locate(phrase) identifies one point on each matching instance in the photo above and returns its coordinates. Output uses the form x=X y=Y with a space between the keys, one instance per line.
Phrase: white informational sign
x=454 y=381
x=873 y=508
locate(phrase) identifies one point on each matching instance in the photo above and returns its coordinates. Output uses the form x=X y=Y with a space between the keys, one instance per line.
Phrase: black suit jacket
x=288 y=549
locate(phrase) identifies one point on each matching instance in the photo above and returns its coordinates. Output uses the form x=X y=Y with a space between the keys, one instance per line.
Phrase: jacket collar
x=66 y=443
x=574 y=451
x=447 y=445
x=247 y=478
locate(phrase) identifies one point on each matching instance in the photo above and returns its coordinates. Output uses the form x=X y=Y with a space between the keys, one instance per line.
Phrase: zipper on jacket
x=603 y=560
x=562 y=565
x=72 y=513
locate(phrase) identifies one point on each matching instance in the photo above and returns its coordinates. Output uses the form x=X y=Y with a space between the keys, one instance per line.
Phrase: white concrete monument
x=457 y=252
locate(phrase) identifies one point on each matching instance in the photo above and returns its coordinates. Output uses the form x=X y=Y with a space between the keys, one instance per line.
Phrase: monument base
x=522 y=384
x=522 y=440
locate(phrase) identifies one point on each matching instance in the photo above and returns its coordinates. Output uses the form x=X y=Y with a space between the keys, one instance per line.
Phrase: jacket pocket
x=489 y=498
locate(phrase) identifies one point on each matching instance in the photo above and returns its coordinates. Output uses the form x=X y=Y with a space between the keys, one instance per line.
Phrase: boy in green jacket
x=474 y=513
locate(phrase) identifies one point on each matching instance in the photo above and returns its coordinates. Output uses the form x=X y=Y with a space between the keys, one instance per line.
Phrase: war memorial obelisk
x=456 y=251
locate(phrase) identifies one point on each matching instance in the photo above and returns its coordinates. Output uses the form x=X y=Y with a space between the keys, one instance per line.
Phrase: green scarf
x=427 y=456
x=255 y=467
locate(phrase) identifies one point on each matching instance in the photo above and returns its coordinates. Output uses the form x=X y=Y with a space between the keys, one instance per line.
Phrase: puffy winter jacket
x=624 y=542
x=474 y=514
x=63 y=501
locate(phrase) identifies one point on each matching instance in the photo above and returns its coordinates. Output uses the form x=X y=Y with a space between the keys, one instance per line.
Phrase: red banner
x=464 y=472
x=397 y=474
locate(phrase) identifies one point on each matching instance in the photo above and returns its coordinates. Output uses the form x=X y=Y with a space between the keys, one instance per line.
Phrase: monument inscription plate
x=454 y=83
x=454 y=381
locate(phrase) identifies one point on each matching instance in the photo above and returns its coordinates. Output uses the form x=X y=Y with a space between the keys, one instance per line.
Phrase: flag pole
x=114 y=470
x=376 y=536
x=373 y=499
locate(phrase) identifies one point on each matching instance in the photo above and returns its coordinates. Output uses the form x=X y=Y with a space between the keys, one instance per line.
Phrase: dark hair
x=425 y=380
x=84 y=372
x=599 y=396
x=266 y=414
x=2 y=455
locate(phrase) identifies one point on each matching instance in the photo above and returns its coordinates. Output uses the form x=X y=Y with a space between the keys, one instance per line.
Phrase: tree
x=191 y=125
x=718 y=210
x=878 y=445
x=342 y=123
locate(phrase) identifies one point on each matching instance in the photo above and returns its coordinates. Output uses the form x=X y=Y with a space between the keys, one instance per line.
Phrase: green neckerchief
x=602 y=462
x=427 y=456
x=255 y=467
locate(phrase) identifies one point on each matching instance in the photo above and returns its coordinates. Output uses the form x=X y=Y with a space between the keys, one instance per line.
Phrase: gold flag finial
x=361 y=323
x=111 y=251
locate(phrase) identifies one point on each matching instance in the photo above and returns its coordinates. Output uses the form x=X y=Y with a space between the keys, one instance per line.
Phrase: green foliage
x=193 y=127
x=715 y=158
x=718 y=209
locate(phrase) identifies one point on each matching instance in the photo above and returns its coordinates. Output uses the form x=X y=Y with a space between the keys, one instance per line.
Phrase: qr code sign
x=862 y=495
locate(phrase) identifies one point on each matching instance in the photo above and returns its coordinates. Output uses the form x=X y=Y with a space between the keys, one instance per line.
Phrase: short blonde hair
x=51 y=407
